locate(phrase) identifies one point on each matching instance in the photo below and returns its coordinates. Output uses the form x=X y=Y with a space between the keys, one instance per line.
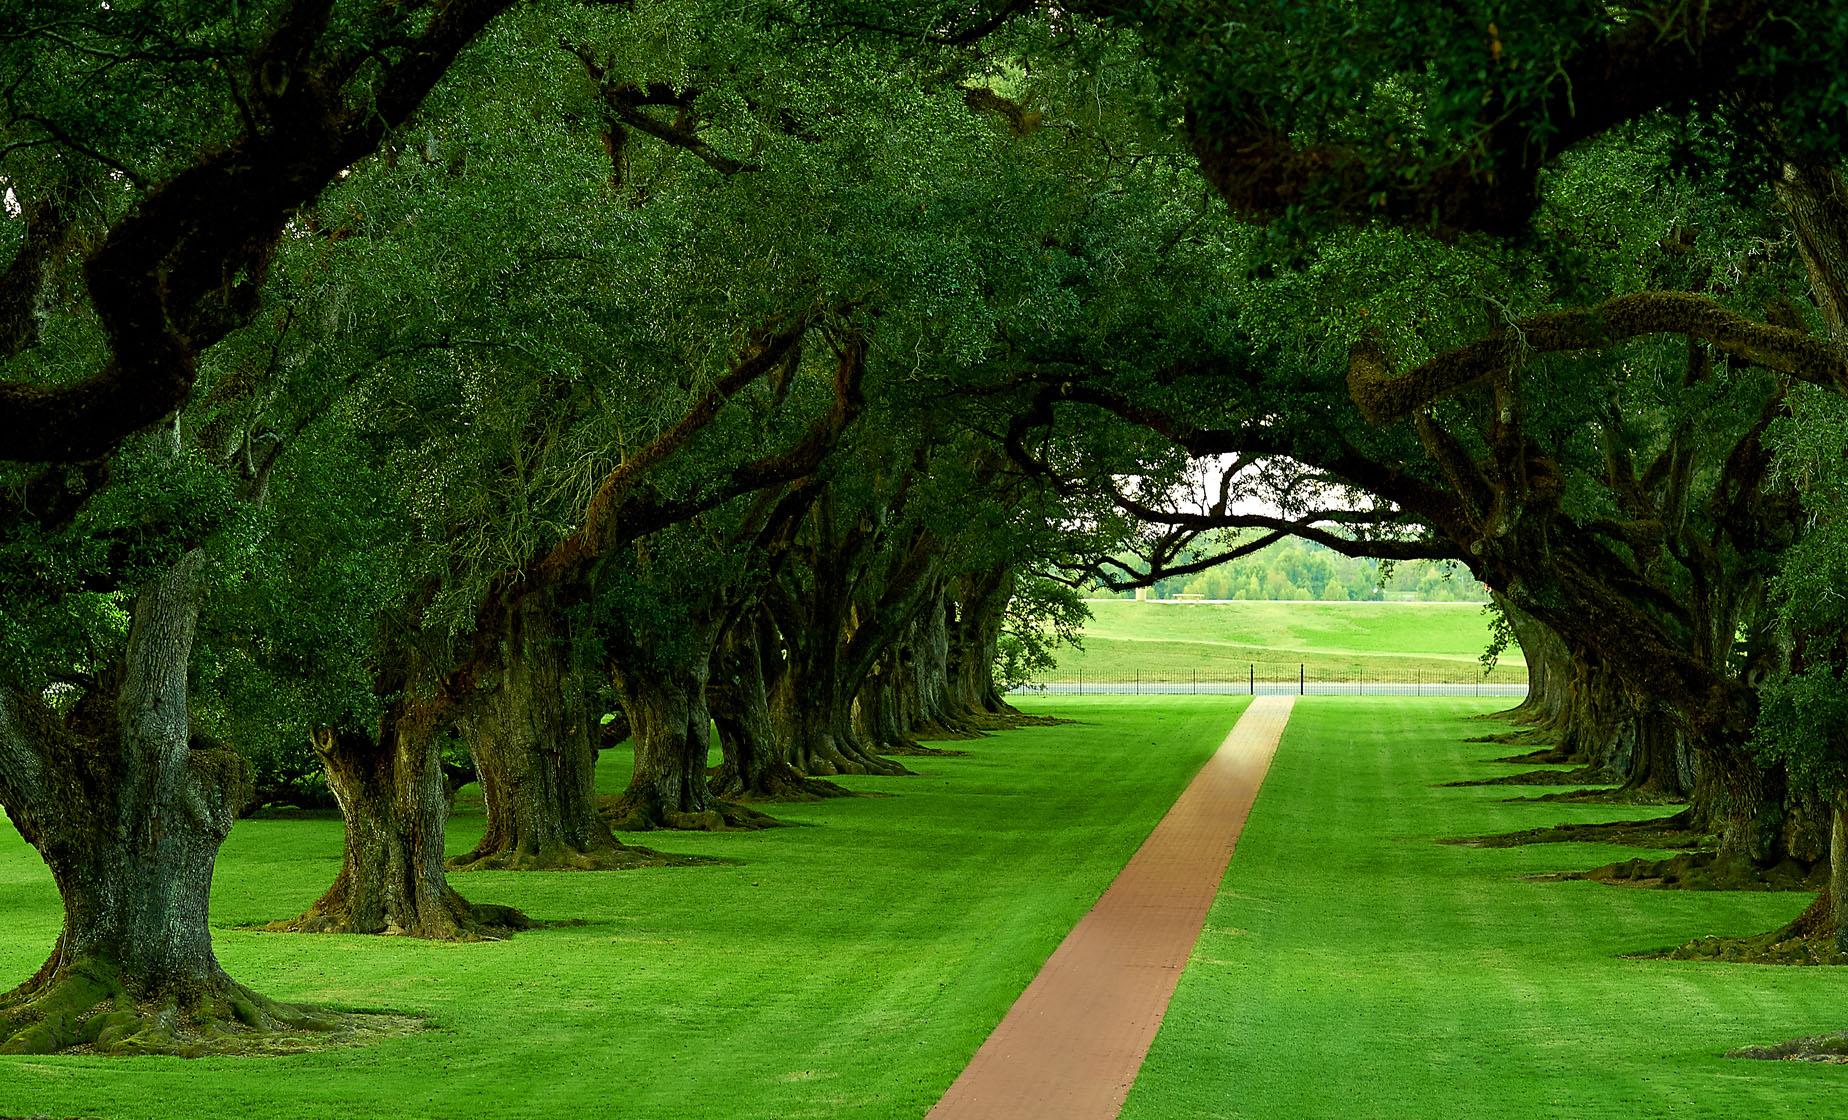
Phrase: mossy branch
x=1384 y=397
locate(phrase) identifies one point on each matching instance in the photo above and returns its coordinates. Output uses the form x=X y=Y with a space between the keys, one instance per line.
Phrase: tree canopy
x=397 y=396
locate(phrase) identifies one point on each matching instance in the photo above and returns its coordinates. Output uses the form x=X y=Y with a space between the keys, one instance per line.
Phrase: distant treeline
x=1295 y=569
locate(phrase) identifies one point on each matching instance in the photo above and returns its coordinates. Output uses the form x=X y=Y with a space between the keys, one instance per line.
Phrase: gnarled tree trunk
x=975 y=637
x=535 y=748
x=935 y=694
x=672 y=727
x=1549 y=669
x=815 y=718
x=128 y=809
x=756 y=765
x=395 y=800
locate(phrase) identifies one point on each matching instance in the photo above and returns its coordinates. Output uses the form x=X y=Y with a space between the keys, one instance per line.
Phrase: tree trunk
x=672 y=727
x=128 y=810
x=878 y=716
x=1817 y=201
x=1549 y=669
x=975 y=642
x=817 y=723
x=1654 y=766
x=535 y=749
x=756 y=764
x=811 y=701
x=395 y=800
x=939 y=714
x=1741 y=802
x=1836 y=896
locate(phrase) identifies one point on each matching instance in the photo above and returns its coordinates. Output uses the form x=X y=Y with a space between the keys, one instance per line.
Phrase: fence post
x=1302 y=680
x=1138 y=682
x=1196 y=675
x=1251 y=678
x=1081 y=682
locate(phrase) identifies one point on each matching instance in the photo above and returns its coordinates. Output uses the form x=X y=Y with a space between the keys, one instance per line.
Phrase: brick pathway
x=1070 y=1046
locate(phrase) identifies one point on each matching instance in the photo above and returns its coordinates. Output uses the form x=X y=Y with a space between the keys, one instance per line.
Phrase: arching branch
x=1642 y=66
x=183 y=268
x=1383 y=396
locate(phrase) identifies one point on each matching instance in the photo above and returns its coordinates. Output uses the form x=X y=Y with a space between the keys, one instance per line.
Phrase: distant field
x=1334 y=641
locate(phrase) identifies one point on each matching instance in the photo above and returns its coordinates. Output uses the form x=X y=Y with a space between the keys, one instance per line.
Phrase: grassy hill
x=1335 y=641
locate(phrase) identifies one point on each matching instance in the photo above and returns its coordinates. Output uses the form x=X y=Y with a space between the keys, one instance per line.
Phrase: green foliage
x=1803 y=719
x=1042 y=615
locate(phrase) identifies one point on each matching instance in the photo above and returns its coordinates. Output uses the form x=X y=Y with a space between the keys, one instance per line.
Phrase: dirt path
x=1070 y=1046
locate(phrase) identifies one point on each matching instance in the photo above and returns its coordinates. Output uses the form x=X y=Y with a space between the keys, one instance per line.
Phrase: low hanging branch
x=624 y=104
x=1384 y=397
x=1646 y=64
x=184 y=267
x=624 y=508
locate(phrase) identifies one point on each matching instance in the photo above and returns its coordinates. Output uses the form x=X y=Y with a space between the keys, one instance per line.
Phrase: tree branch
x=182 y=269
x=1383 y=397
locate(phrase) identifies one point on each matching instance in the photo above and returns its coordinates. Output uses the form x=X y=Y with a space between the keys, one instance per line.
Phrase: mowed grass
x=848 y=968
x=1353 y=968
x=1334 y=641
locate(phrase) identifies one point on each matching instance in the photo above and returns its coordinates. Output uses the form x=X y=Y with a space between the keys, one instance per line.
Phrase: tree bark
x=1743 y=803
x=535 y=747
x=756 y=765
x=395 y=800
x=666 y=706
x=938 y=713
x=816 y=720
x=1838 y=874
x=975 y=637
x=1549 y=669
x=129 y=809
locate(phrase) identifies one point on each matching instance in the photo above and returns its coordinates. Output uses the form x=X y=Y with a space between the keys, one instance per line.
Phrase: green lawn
x=1351 y=968
x=1336 y=641
x=845 y=969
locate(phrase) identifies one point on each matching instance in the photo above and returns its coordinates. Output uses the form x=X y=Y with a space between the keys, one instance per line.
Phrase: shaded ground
x=1653 y=832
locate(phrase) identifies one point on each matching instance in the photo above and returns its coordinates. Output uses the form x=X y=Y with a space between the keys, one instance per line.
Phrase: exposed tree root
x=449 y=917
x=1659 y=832
x=1701 y=871
x=1612 y=795
x=634 y=812
x=938 y=732
x=1521 y=737
x=1546 y=756
x=566 y=857
x=1766 y=948
x=1008 y=720
x=1811 y=939
x=916 y=750
x=778 y=783
x=824 y=758
x=86 y=1007
x=1583 y=776
x=979 y=724
x=1831 y=1048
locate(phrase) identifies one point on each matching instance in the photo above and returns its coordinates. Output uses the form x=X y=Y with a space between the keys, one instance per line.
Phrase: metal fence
x=1272 y=679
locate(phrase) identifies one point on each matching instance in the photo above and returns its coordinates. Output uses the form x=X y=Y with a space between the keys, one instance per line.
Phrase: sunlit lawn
x=847 y=968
